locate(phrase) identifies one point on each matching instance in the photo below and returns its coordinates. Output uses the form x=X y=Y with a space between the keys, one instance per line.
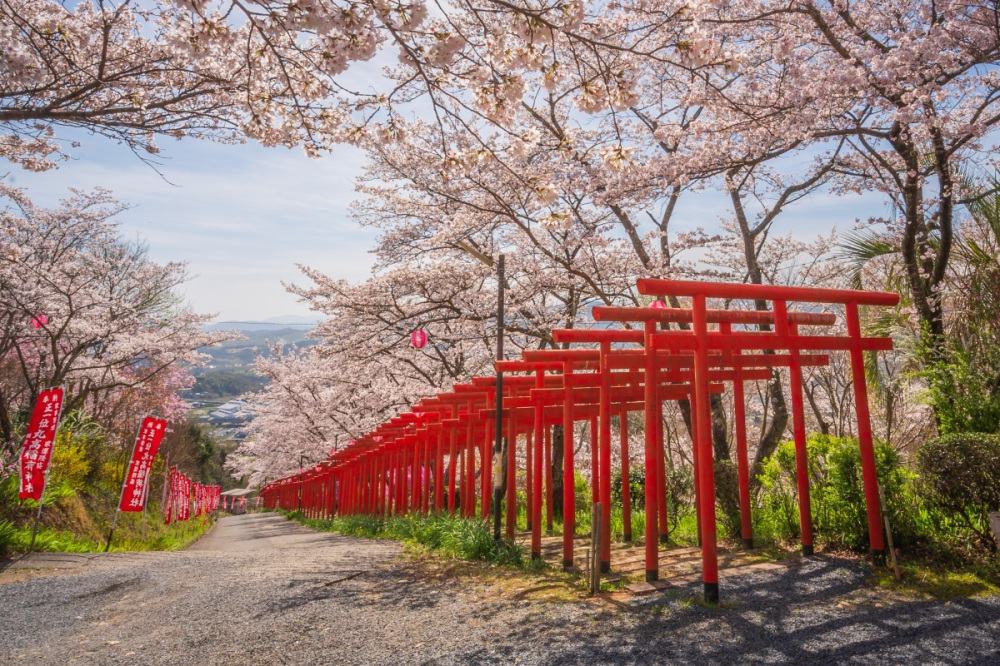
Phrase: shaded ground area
x=261 y=589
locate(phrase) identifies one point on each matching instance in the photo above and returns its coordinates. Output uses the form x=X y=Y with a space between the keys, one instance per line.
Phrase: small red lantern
x=418 y=339
x=39 y=320
x=659 y=305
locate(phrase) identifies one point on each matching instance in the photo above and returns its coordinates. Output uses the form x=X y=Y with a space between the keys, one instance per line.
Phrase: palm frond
x=984 y=207
x=861 y=247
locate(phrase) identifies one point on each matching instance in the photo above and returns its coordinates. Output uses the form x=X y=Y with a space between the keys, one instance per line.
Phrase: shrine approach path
x=260 y=589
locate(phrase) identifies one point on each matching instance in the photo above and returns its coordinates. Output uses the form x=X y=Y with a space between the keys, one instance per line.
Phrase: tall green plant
x=963 y=370
x=837 y=496
x=963 y=386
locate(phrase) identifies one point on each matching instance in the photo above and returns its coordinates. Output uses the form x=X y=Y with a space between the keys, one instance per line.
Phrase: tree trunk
x=824 y=427
x=6 y=427
x=557 y=472
x=779 y=409
x=775 y=429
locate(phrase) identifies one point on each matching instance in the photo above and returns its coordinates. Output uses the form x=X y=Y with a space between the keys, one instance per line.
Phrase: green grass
x=16 y=540
x=457 y=538
x=927 y=579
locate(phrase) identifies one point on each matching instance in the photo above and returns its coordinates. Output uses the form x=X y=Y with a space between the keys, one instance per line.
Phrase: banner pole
x=114 y=521
x=121 y=495
x=45 y=476
x=145 y=502
x=166 y=486
x=38 y=515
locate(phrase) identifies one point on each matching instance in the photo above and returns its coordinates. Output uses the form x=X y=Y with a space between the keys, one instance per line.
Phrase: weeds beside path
x=15 y=541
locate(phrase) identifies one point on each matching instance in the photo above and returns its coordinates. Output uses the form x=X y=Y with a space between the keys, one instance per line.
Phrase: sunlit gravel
x=262 y=590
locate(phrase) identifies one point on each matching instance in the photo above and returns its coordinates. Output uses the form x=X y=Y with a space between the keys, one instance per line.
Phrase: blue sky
x=240 y=216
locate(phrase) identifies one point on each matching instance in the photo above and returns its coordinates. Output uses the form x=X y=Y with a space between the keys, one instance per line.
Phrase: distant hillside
x=229 y=374
x=238 y=356
x=296 y=322
x=225 y=385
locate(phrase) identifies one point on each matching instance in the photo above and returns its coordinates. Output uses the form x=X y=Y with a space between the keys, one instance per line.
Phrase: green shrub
x=70 y=465
x=960 y=474
x=961 y=383
x=459 y=538
x=636 y=485
x=837 y=495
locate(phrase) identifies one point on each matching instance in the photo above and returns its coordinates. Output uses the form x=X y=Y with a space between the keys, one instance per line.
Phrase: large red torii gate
x=400 y=466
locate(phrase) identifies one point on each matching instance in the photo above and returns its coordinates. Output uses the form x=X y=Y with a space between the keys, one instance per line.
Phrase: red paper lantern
x=418 y=339
x=659 y=305
x=39 y=320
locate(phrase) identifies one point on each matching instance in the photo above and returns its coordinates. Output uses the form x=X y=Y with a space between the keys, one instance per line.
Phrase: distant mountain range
x=284 y=322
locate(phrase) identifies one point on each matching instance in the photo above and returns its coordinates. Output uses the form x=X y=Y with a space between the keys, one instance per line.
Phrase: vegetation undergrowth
x=15 y=540
x=457 y=538
x=84 y=486
x=936 y=509
x=926 y=579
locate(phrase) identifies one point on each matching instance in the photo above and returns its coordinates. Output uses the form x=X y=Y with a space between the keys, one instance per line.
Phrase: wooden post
x=888 y=530
x=498 y=405
x=595 y=548
x=995 y=525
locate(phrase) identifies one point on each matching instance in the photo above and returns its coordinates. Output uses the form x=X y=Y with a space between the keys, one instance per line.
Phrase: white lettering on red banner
x=147 y=442
x=38 y=442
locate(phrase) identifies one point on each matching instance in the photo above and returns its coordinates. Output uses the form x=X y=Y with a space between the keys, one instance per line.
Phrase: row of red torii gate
x=431 y=459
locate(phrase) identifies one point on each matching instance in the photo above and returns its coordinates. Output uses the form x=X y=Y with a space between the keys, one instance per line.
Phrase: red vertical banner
x=38 y=442
x=197 y=494
x=184 y=499
x=170 y=511
x=147 y=442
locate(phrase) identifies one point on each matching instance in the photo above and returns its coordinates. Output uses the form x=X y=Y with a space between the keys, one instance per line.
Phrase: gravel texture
x=260 y=589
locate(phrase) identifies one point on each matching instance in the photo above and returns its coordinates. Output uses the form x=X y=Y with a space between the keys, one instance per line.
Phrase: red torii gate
x=785 y=337
x=392 y=469
x=671 y=368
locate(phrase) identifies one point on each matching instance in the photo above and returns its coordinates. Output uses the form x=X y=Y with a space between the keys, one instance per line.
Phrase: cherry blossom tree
x=270 y=71
x=86 y=309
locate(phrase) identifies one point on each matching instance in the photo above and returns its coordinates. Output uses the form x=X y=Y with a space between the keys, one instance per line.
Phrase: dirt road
x=260 y=589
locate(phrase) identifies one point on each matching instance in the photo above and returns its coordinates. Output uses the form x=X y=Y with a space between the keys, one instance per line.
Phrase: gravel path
x=264 y=590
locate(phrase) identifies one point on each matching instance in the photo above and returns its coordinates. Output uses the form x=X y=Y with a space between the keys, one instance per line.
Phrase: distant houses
x=234 y=412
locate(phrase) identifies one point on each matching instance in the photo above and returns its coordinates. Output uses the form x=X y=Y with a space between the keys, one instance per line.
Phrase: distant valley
x=229 y=374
